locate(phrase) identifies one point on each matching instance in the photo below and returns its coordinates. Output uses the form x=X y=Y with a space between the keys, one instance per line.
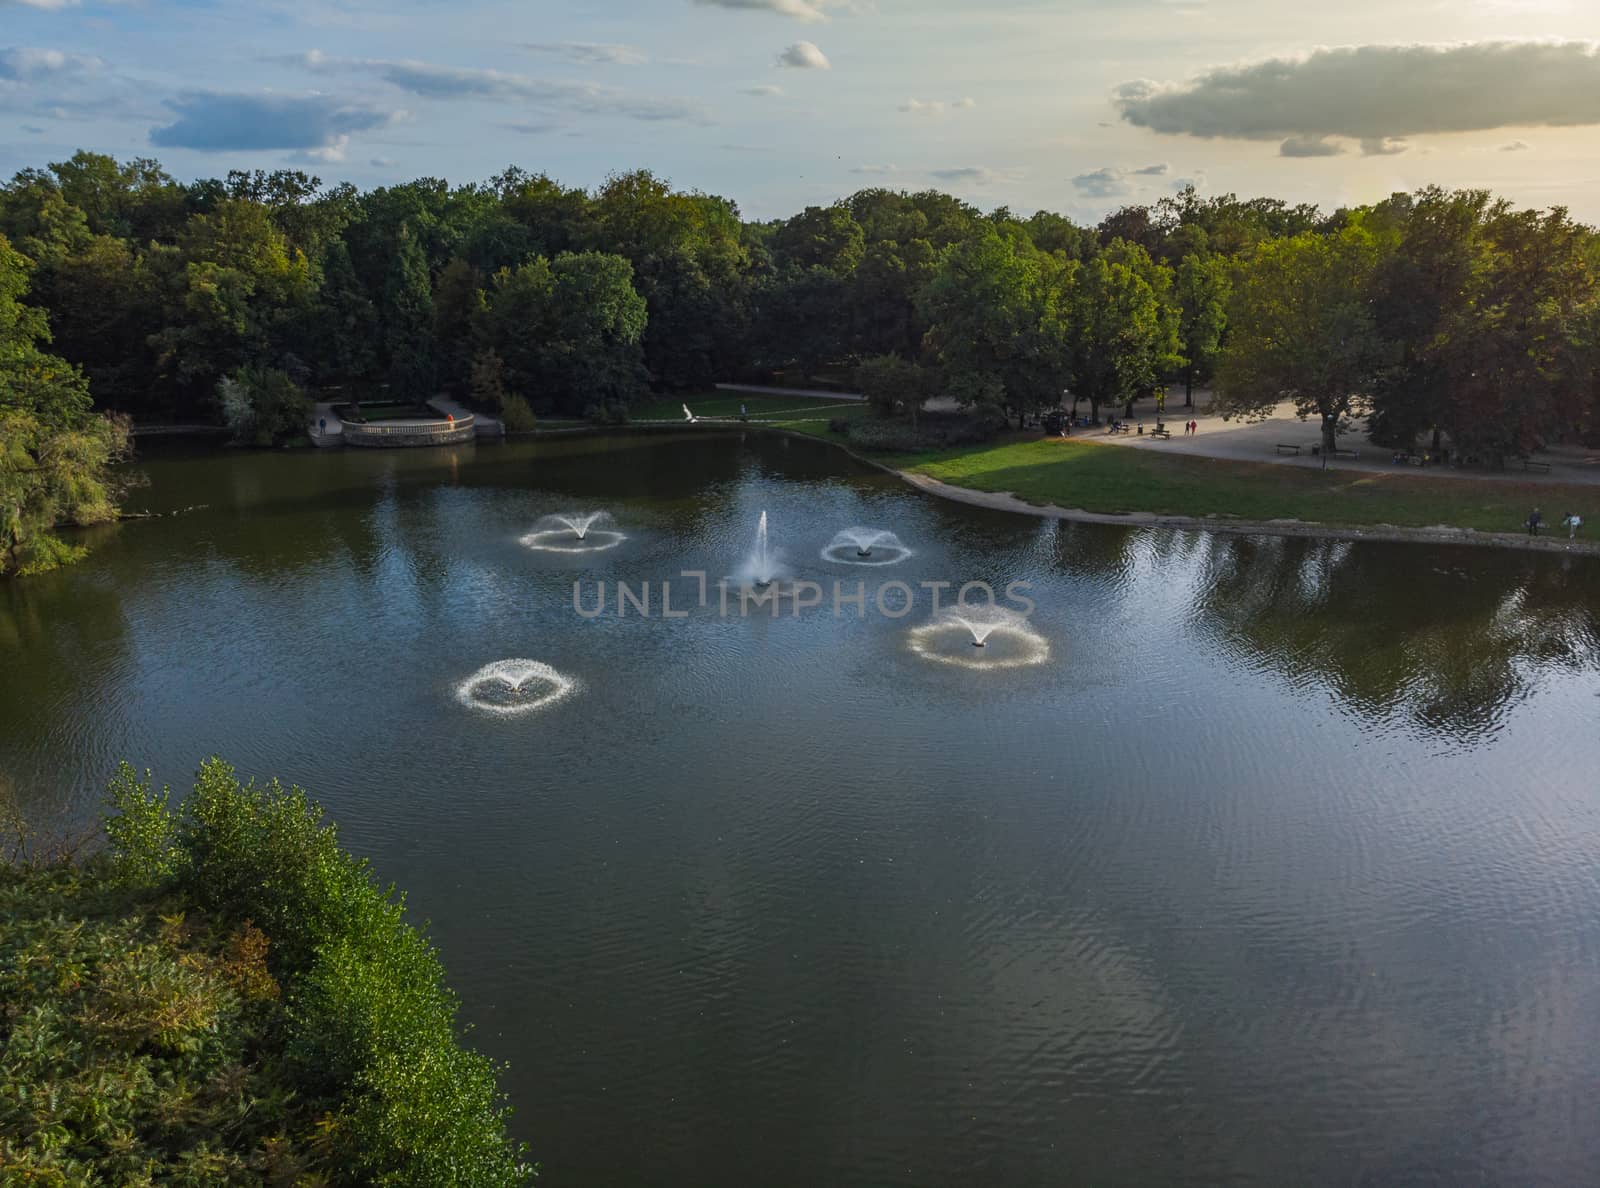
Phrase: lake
x=1282 y=865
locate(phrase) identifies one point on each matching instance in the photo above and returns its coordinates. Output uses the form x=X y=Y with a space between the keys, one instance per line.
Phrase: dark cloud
x=319 y=125
x=1113 y=181
x=459 y=82
x=1377 y=94
x=1308 y=146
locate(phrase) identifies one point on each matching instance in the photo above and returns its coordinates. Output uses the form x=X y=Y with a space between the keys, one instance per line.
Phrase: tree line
x=236 y=299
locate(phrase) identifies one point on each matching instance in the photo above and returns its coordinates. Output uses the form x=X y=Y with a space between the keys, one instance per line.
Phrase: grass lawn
x=1107 y=478
x=761 y=407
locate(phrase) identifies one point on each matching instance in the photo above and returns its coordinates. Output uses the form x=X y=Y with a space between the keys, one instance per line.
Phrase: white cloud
x=766 y=91
x=804 y=55
x=591 y=53
x=47 y=5
x=805 y=10
x=1377 y=94
x=936 y=107
x=875 y=169
x=326 y=154
x=22 y=62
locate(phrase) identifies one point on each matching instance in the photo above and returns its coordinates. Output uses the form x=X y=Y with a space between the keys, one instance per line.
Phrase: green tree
x=993 y=309
x=1301 y=329
x=895 y=386
x=408 y=321
x=55 y=453
x=1200 y=291
x=1124 y=331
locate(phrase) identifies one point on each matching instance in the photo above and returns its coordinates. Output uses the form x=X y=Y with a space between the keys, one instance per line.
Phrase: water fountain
x=509 y=687
x=763 y=566
x=866 y=546
x=572 y=532
x=983 y=637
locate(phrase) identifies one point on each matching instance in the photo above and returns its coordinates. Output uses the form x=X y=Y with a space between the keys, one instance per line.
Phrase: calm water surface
x=1284 y=869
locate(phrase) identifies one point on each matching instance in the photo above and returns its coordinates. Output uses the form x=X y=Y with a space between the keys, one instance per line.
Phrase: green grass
x=760 y=407
x=1107 y=478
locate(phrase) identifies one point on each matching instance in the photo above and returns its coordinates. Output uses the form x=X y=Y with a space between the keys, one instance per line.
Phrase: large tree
x=1123 y=327
x=994 y=313
x=1301 y=329
x=55 y=452
x=1200 y=291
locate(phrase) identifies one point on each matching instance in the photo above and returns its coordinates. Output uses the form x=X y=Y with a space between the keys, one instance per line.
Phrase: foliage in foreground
x=230 y=997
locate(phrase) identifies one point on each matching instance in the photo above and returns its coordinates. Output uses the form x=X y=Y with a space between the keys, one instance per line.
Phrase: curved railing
x=442 y=431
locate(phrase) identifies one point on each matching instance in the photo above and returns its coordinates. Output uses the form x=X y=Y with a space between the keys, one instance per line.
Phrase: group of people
x=1571 y=522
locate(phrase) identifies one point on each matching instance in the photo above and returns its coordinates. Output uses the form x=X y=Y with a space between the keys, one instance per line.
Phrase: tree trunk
x=1094 y=410
x=1188 y=386
x=1329 y=437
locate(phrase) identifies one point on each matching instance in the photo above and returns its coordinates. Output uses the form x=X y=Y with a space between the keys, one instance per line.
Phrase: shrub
x=517 y=416
x=263 y=406
x=839 y=425
x=933 y=433
x=370 y=1022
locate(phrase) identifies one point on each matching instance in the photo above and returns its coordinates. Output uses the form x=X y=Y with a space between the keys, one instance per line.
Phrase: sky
x=1077 y=106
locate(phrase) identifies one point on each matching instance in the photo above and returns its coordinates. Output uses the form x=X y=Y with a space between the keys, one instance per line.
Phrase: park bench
x=1541 y=467
x=1285 y=448
x=1163 y=433
x=1347 y=453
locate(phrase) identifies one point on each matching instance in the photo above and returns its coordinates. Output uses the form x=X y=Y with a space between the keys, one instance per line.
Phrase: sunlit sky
x=1078 y=106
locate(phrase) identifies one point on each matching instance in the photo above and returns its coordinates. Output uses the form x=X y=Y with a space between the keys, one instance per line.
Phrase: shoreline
x=1390 y=533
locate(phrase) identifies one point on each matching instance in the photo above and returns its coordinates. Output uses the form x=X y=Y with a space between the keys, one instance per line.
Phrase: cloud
x=590 y=53
x=1516 y=146
x=1105 y=182
x=936 y=107
x=875 y=169
x=213 y=121
x=383 y=162
x=805 y=10
x=1377 y=94
x=47 y=5
x=34 y=129
x=325 y=154
x=457 y=82
x=1383 y=146
x=803 y=55
x=21 y=63
x=764 y=91
x=539 y=129
x=975 y=175
x=1308 y=146
x=1114 y=181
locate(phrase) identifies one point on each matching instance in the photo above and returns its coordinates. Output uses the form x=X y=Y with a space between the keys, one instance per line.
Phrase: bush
x=517 y=416
x=933 y=433
x=263 y=406
x=370 y=1022
x=839 y=425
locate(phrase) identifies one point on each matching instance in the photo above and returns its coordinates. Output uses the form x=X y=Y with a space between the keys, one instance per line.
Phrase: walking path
x=1242 y=441
x=762 y=389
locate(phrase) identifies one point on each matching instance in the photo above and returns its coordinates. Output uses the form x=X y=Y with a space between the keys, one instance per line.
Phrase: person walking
x=1534 y=520
x=1573 y=523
